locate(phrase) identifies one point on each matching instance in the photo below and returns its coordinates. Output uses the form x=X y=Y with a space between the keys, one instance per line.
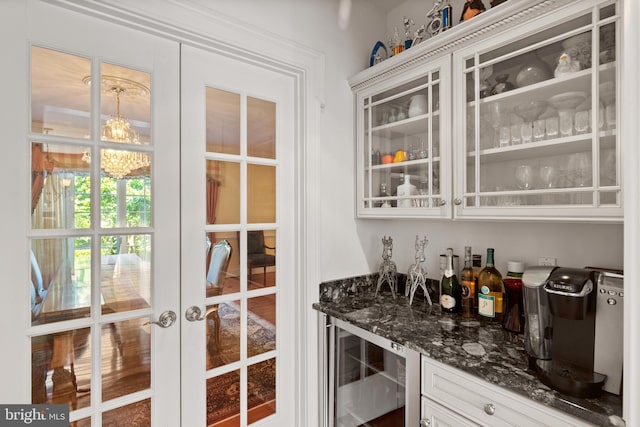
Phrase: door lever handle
x=194 y=313
x=165 y=320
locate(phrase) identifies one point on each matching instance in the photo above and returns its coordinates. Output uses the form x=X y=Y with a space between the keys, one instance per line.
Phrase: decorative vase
x=533 y=71
x=418 y=105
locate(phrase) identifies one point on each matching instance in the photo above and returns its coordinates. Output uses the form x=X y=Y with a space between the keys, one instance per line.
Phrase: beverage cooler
x=364 y=379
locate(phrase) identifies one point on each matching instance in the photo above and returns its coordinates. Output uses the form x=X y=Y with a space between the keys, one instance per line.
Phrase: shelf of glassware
x=546 y=171
x=411 y=155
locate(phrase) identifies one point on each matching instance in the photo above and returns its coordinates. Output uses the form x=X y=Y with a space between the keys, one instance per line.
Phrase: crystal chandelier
x=119 y=163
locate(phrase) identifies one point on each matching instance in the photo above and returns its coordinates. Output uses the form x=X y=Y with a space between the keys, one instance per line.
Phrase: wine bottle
x=450 y=289
x=490 y=290
x=467 y=281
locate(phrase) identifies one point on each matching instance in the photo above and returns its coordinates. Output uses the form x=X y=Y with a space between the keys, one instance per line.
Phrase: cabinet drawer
x=436 y=415
x=486 y=403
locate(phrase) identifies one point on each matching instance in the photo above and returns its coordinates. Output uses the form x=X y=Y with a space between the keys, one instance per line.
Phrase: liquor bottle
x=490 y=290
x=450 y=289
x=477 y=267
x=467 y=280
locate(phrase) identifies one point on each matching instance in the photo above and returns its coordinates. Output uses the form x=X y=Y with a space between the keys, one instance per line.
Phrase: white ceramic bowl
x=567 y=100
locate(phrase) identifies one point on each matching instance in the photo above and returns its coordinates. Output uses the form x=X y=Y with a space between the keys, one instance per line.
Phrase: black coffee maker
x=574 y=329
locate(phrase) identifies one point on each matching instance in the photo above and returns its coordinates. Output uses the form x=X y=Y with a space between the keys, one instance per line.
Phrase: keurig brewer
x=574 y=329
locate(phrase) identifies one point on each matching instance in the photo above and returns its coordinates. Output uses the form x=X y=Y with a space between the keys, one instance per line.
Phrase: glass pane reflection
x=223 y=192
x=261 y=391
x=125 y=272
x=261 y=193
x=125 y=202
x=126 y=358
x=261 y=324
x=223 y=400
x=60 y=279
x=60 y=101
x=223 y=121
x=223 y=271
x=261 y=128
x=61 y=368
x=261 y=258
x=135 y=414
x=60 y=187
x=223 y=333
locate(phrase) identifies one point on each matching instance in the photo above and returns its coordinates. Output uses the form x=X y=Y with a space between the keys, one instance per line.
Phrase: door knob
x=193 y=314
x=165 y=320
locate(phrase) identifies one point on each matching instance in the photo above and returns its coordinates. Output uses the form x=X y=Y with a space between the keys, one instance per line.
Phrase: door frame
x=204 y=28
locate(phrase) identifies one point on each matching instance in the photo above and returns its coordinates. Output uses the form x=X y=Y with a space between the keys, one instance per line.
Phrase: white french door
x=112 y=216
x=237 y=188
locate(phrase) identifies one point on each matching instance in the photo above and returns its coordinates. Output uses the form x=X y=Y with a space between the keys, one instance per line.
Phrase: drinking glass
x=524 y=177
x=551 y=126
x=494 y=113
x=566 y=122
x=610 y=116
x=504 y=136
x=582 y=121
x=526 y=131
x=548 y=176
x=539 y=130
x=515 y=134
x=580 y=169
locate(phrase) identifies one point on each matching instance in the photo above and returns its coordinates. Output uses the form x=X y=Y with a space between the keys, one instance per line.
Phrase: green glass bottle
x=490 y=290
x=450 y=289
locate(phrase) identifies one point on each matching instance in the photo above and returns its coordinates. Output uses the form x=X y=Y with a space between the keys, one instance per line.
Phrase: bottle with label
x=450 y=289
x=467 y=281
x=490 y=290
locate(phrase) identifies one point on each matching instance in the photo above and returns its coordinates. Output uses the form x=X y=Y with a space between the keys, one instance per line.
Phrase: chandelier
x=119 y=163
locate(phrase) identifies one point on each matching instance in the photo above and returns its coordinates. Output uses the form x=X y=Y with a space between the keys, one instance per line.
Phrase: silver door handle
x=194 y=314
x=165 y=320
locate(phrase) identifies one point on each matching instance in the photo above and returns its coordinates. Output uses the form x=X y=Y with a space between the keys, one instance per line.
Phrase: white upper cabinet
x=535 y=129
x=404 y=150
x=511 y=117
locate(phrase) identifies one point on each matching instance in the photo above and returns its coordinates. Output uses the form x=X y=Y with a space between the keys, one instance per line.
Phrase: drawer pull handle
x=489 y=409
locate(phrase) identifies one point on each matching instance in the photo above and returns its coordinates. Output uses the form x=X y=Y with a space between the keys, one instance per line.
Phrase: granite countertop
x=485 y=351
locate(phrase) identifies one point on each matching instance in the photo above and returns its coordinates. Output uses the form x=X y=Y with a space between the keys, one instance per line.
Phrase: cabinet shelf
x=547 y=148
x=412 y=126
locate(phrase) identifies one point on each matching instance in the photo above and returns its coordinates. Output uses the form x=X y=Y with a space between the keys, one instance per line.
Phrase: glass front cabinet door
x=535 y=123
x=404 y=144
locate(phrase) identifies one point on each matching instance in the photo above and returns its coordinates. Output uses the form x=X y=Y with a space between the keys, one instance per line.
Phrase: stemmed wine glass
x=525 y=177
x=494 y=114
x=548 y=176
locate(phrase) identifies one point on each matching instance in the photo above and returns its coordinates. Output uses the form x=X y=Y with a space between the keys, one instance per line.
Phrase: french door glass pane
x=223 y=121
x=223 y=192
x=261 y=324
x=126 y=358
x=261 y=259
x=223 y=333
x=125 y=272
x=261 y=128
x=60 y=279
x=61 y=368
x=60 y=187
x=54 y=76
x=223 y=400
x=134 y=414
x=261 y=396
x=261 y=193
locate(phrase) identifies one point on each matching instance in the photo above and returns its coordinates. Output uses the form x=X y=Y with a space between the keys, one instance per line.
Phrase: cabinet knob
x=457 y=202
x=425 y=422
x=443 y=202
x=489 y=409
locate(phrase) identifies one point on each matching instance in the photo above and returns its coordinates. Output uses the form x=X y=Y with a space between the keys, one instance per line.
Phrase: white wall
x=350 y=246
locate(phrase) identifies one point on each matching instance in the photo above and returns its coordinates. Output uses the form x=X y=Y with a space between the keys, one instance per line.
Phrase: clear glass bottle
x=468 y=283
x=450 y=289
x=490 y=290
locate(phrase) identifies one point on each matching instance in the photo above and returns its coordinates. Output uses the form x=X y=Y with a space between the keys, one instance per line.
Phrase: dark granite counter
x=485 y=351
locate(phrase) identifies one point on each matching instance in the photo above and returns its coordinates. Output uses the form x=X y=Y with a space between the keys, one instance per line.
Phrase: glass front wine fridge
x=366 y=380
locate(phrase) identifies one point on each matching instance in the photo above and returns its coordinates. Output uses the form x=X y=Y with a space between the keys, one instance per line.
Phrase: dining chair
x=220 y=256
x=257 y=255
